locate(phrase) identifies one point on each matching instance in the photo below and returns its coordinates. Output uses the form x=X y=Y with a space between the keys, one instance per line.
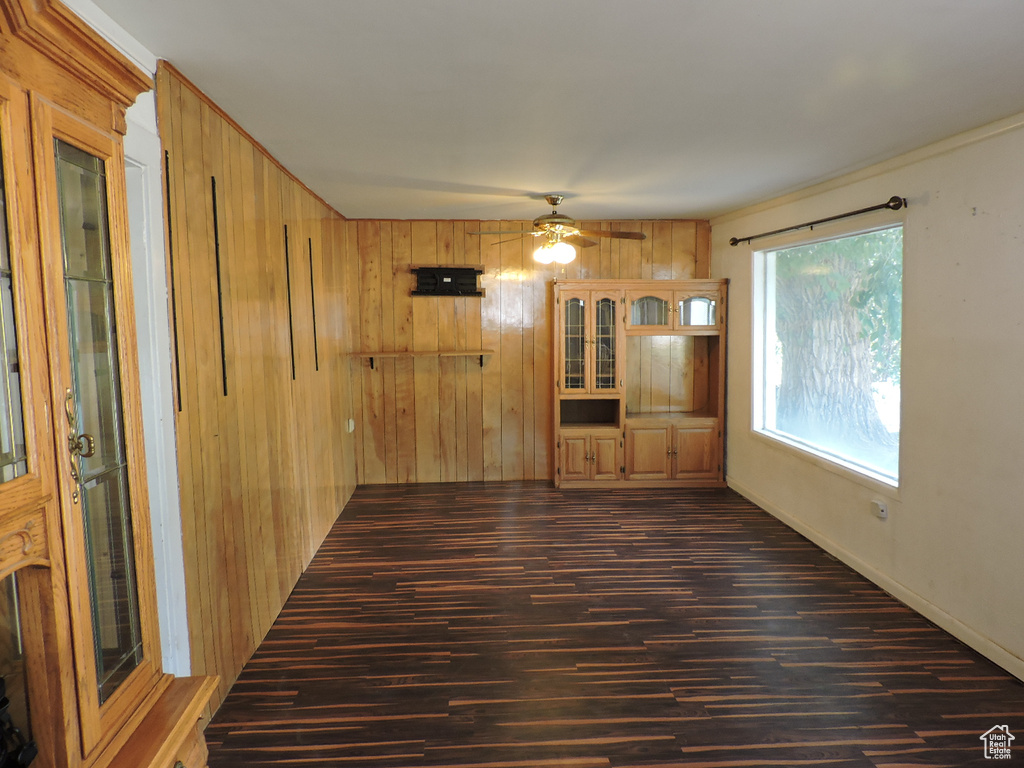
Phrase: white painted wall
x=144 y=168
x=951 y=547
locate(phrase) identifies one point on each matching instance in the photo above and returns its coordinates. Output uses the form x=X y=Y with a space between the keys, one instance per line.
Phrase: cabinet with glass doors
x=642 y=361
x=590 y=342
x=79 y=635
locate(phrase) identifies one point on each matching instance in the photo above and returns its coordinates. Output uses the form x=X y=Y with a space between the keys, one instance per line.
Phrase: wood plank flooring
x=508 y=625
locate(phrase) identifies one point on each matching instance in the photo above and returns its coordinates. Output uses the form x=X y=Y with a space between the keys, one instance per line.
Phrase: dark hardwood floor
x=510 y=625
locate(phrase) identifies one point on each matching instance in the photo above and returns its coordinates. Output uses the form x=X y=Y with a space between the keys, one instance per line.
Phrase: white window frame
x=763 y=329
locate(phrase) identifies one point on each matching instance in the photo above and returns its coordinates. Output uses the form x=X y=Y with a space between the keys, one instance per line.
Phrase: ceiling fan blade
x=582 y=242
x=511 y=239
x=609 y=233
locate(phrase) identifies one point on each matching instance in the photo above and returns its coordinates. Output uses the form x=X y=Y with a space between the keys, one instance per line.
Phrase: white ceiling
x=438 y=109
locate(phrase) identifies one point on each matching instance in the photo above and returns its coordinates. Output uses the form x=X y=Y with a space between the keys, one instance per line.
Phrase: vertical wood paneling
x=426 y=368
x=490 y=338
x=405 y=393
x=511 y=351
x=446 y=377
x=474 y=372
x=456 y=420
x=265 y=466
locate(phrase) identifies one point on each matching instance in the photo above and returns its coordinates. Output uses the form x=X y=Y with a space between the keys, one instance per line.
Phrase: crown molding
x=50 y=28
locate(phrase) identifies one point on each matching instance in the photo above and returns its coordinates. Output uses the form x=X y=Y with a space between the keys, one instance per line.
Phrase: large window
x=827 y=349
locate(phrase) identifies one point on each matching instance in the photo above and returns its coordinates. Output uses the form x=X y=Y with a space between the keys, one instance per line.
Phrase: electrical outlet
x=880 y=509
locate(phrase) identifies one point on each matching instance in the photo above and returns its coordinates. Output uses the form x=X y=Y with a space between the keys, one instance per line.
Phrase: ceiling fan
x=560 y=233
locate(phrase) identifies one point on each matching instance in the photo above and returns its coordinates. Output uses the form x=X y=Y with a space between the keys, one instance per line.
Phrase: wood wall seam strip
x=312 y=306
x=220 y=286
x=288 y=288
x=171 y=288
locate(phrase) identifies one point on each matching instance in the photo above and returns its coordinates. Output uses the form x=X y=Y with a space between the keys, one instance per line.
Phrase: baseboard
x=983 y=645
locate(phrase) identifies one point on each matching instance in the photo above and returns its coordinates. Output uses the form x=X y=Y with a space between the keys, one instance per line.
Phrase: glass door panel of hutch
x=604 y=342
x=94 y=414
x=697 y=311
x=651 y=310
x=574 y=336
x=590 y=343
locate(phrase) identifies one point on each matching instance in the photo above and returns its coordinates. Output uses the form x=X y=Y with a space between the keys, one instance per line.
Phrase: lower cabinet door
x=696 y=452
x=606 y=456
x=590 y=456
x=574 y=457
x=648 y=452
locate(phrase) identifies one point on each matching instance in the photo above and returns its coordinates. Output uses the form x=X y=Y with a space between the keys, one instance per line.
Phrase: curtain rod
x=894 y=203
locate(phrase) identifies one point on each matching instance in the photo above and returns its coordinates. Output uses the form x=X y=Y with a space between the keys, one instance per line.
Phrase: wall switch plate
x=880 y=509
x=351 y=426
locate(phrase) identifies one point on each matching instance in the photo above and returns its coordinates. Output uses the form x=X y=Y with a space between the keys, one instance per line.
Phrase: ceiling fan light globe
x=544 y=255
x=563 y=252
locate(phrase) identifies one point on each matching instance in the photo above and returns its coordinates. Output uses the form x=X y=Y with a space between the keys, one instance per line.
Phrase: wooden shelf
x=481 y=353
x=703 y=413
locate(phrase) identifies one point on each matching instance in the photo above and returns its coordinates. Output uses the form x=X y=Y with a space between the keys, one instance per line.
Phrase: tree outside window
x=830 y=348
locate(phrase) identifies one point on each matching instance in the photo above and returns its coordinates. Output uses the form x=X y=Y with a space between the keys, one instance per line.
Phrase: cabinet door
x=590 y=342
x=605 y=343
x=606 y=456
x=94 y=386
x=574 y=457
x=649 y=310
x=648 y=453
x=695 y=452
x=574 y=373
x=27 y=509
x=696 y=311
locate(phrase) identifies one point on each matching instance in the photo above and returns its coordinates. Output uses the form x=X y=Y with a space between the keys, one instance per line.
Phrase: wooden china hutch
x=79 y=640
x=639 y=383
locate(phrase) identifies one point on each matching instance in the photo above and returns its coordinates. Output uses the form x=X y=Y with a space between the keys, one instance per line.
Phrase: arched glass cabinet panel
x=697 y=311
x=649 y=310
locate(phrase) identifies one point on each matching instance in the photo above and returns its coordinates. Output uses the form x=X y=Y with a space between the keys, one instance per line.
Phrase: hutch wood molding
x=639 y=383
x=78 y=594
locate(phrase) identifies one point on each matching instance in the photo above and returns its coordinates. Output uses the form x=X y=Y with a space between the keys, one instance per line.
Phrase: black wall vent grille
x=447 y=281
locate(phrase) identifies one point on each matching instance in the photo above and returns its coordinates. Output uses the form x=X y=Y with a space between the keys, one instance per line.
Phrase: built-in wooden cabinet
x=81 y=649
x=658 y=419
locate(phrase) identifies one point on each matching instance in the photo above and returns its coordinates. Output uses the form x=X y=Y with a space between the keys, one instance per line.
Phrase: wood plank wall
x=442 y=419
x=258 y=269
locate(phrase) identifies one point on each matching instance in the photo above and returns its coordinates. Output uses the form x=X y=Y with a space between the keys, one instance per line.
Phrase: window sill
x=864 y=477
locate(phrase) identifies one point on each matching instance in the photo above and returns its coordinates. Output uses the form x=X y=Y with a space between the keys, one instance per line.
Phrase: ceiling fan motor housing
x=552 y=220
